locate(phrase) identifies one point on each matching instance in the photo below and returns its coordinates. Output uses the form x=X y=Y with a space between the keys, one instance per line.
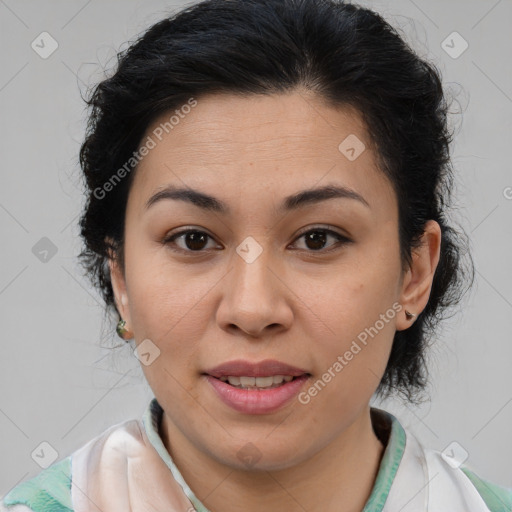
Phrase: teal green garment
x=496 y=497
x=50 y=490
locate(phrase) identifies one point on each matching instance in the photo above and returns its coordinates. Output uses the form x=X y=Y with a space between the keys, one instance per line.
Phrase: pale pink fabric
x=120 y=471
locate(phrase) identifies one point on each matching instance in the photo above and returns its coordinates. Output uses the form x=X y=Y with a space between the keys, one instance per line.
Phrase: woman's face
x=278 y=273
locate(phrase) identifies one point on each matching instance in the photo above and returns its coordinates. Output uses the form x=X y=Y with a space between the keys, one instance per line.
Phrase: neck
x=338 y=477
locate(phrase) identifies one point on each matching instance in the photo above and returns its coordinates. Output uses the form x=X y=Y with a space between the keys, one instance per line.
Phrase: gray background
x=60 y=383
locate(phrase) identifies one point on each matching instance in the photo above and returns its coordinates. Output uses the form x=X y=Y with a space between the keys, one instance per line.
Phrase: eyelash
x=342 y=240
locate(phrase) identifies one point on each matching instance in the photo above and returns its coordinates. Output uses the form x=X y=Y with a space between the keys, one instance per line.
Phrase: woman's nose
x=255 y=298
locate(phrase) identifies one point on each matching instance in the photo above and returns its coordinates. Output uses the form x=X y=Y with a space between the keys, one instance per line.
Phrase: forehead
x=261 y=143
x=223 y=124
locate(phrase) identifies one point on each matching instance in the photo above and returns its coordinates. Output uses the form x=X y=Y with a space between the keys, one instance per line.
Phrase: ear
x=417 y=282
x=119 y=287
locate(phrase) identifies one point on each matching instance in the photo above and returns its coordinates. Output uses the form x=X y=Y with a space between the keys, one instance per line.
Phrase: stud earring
x=409 y=316
x=122 y=331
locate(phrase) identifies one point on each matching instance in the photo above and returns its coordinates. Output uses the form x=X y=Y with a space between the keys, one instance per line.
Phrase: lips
x=256 y=399
x=266 y=368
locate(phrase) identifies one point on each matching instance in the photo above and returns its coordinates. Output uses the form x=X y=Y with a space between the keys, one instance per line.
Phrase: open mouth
x=257 y=395
x=259 y=383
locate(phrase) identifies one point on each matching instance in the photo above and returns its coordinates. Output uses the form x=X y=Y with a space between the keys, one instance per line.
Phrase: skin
x=293 y=303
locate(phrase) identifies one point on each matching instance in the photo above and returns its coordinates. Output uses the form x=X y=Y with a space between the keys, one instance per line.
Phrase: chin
x=255 y=456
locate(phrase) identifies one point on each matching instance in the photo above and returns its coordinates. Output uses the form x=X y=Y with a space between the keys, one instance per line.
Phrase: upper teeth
x=258 y=382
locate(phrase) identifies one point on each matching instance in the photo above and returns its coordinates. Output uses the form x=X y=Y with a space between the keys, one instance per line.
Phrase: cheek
x=356 y=324
x=351 y=363
x=355 y=297
x=163 y=297
x=161 y=310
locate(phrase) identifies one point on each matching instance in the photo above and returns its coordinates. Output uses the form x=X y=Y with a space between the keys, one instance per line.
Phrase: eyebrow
x=293 y=202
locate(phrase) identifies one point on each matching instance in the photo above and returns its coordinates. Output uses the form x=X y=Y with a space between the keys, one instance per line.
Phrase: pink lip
x=254 y=401
x=266 y=368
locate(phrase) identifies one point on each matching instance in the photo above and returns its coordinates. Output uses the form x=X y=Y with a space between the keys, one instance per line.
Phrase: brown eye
x=192 y=239
x=315 y=239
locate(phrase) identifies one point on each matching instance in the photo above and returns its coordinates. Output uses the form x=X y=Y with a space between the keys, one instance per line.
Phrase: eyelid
x=326 y=227
x=181 y=232
x=330 y=230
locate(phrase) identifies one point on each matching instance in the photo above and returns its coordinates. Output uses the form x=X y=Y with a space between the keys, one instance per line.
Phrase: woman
x=267 y=184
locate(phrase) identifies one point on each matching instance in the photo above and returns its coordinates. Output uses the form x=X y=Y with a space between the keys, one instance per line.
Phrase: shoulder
x=49 y=491
x=463 y=481
x=446 y=483
x=496 y=497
